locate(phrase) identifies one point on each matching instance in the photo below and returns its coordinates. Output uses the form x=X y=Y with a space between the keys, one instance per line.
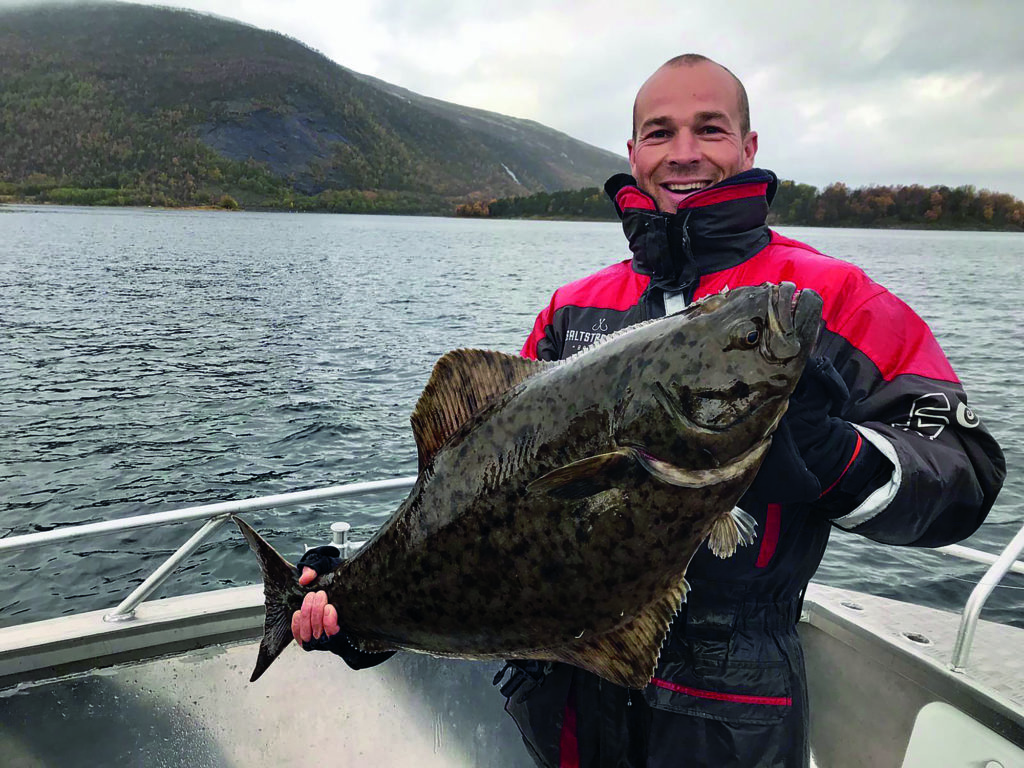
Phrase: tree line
x=898 y=206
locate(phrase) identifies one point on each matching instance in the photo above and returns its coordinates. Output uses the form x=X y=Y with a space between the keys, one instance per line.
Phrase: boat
x=164 y=682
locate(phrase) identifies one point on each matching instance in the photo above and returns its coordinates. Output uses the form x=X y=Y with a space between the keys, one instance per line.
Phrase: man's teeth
x=686 y=187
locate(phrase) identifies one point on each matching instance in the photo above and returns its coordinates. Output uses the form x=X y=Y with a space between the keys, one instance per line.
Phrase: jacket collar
x=714 y=229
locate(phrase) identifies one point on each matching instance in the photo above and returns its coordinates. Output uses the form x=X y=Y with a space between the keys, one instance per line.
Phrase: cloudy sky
x=926 y=91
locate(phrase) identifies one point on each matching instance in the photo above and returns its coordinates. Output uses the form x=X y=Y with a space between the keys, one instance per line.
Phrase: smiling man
x=691 y=129
x=730 y=689
x=852 y=451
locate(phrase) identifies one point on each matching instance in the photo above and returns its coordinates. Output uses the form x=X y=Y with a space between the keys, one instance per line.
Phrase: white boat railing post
x=340 y=538
x=980 y=594
x=976 y=556
x=126 y=610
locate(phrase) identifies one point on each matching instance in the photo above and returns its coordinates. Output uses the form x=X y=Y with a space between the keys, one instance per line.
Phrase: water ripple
x=161 y=359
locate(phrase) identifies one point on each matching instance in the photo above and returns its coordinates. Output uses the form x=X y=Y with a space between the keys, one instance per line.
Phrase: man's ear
x=749 y=150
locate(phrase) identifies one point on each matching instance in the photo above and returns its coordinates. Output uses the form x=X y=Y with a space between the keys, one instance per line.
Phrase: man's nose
x=684 y=149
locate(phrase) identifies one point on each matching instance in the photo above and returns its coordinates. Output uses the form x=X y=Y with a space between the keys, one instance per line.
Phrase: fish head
x=718 y=374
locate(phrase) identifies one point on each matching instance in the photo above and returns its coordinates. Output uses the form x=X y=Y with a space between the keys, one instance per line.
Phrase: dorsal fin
x=626 y=656
x=463 y=383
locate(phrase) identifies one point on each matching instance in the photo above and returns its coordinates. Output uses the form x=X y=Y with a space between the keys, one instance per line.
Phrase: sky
x=893 y=92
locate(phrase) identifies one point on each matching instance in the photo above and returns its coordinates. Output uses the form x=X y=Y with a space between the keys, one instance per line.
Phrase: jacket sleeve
x=944 y=468
x=544 y=342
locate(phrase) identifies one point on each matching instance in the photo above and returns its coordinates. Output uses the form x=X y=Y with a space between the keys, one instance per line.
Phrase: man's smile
x=680 y=190
x=685 y=187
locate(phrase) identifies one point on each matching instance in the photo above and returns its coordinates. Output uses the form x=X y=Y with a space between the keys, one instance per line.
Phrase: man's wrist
x=865 y=471
x=321 y=559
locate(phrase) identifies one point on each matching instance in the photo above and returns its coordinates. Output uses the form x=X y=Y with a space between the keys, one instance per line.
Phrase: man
x=850 y=452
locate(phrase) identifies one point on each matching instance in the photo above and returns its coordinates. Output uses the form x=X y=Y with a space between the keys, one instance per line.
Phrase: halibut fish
x=558 y=504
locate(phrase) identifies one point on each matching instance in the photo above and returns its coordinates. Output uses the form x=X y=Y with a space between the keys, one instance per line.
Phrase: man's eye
x=661 y=133
x=711 y=129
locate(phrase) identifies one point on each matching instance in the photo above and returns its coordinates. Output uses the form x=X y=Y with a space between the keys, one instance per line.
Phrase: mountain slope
x=186 y=105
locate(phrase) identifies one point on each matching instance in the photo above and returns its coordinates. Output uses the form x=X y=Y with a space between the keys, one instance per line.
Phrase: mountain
x=113 y=102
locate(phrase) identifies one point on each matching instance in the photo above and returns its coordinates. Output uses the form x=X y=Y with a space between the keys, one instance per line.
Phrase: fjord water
x=152 y=360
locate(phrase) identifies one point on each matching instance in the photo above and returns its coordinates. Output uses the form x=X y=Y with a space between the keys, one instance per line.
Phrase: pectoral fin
x=594 y=474
x=729 y=531
x=586 y=477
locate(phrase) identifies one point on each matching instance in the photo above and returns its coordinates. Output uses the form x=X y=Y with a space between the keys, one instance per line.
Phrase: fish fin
x=585 y=477
x=372 y=646
x=463 y=383
x=699 y=478
x=628 y=655
x=282 y=596
x=730 y=530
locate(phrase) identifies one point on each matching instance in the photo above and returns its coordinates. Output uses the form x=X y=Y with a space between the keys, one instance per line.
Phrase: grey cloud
x=576 y=67
x=430 y=16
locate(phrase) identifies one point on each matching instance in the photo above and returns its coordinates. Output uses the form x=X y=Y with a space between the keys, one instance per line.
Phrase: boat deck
x=196 y=707
x=873 y=663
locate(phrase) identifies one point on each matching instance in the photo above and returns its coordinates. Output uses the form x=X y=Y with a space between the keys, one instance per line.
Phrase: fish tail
x=283 y=596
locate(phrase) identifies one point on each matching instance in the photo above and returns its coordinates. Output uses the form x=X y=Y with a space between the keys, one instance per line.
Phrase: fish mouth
x=807 y=306
x=794 y=321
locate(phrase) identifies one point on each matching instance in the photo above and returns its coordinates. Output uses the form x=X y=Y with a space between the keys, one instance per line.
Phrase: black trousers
x=730 y=690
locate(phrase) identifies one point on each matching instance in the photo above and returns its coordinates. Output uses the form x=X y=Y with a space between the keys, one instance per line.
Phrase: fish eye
x=746 y=335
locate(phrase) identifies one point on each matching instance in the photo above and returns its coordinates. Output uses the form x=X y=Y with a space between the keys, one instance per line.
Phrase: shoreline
x=912 y=226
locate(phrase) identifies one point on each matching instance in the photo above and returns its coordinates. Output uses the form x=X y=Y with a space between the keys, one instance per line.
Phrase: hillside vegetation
x=124 y=104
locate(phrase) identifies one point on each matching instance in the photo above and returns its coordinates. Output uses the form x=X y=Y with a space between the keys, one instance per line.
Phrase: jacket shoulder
x=614 y=287
x=858 y=309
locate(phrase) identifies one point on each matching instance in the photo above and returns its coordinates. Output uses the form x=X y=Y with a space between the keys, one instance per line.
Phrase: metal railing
x=1001 y=565
x=216 y=515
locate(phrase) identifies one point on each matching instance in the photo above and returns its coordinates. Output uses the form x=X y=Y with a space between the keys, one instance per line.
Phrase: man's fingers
x=316 y=615
x=308 y=574
x=331 y=626
x=306 y=620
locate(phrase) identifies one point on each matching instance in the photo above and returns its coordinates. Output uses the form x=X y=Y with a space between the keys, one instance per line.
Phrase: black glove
x=659 y=241
x=812 y=447
x=320 y=559
x=324 y=560
x=526 y=675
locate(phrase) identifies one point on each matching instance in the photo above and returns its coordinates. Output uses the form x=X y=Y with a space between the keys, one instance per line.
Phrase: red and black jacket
x=733 y=656
x=905 y=399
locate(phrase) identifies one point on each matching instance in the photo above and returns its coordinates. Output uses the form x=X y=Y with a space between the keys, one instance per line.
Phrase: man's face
x=688 y=133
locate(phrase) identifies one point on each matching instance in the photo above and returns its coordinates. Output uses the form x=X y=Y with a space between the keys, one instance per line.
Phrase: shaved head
x=691 y=130
x=692 y=59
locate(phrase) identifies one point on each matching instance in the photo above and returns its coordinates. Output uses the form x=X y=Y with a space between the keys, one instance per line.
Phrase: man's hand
x=316 y=617
x=812 y=447
x=315 y=625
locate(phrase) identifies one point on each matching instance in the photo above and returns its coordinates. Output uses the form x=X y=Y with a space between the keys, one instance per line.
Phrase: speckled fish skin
x=493 y=556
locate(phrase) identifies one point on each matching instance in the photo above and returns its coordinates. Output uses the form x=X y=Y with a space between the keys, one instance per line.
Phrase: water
x=158 y=359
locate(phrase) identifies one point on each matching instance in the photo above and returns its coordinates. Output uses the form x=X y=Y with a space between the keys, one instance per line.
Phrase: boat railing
x=215 y=515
